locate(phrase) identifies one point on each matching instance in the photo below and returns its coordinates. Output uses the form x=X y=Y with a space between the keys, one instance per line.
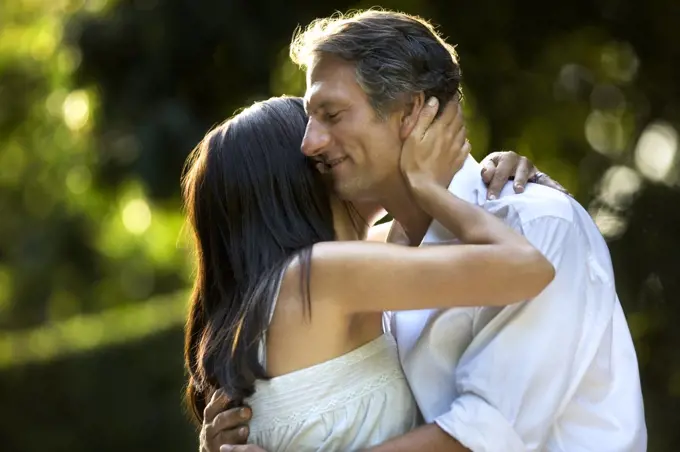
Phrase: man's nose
x=316 y=138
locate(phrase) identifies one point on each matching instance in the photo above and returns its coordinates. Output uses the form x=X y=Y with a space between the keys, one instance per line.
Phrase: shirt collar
x=467 y=184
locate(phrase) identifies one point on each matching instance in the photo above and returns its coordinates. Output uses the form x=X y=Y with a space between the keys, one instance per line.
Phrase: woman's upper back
x=337 y=382
x=301 y=335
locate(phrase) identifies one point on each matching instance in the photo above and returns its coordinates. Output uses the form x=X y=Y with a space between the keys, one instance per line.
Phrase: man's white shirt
x=557 y=373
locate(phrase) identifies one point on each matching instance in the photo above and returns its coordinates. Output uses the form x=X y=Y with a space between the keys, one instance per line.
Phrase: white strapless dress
x=355 y=401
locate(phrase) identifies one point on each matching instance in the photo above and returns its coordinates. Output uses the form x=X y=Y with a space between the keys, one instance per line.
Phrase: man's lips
x=330 y=163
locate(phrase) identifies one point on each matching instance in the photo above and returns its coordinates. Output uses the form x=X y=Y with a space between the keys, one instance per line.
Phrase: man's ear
x=411 y=113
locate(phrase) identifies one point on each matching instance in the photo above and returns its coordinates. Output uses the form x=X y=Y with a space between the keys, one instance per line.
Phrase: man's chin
x=355 y=194
x=346 y=192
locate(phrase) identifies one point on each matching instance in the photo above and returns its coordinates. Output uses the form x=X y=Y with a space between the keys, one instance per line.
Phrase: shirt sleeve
x=527 y=360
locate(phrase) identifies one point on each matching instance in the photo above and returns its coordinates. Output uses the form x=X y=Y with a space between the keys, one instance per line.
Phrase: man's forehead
x=330 y=82
x=321 y=94
x=325 y=94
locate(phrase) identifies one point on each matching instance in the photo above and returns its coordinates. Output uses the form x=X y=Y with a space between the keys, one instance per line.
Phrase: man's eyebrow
x=323 y=105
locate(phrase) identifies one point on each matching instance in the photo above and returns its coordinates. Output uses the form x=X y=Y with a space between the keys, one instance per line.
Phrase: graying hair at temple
x=396 y=55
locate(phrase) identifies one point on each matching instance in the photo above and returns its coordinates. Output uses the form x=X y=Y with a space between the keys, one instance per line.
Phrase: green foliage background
x=101 y=101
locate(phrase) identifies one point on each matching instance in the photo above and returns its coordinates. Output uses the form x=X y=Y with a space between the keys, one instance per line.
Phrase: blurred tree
x=101 y=101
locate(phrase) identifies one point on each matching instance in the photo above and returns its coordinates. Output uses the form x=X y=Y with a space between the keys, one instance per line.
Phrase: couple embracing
x=481 y=318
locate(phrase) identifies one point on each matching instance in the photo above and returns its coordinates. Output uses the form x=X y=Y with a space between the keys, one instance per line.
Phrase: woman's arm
x=501 y=268
x=496 y=266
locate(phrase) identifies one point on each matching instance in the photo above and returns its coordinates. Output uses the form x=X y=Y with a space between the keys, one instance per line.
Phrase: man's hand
x=222 y=427
x=498 y=168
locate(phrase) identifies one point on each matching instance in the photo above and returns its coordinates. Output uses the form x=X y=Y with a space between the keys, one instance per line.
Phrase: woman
x=286 y=310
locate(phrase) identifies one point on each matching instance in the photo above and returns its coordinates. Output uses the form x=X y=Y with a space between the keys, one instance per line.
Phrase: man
x=558 y=373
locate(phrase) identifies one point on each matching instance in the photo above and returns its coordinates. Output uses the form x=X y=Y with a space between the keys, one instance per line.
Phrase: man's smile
x=330 y=163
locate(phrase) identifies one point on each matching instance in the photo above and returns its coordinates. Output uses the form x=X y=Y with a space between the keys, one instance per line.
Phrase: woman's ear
x=410 y=115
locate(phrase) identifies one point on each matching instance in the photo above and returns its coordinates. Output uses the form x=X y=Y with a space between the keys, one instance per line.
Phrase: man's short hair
x=396 y=55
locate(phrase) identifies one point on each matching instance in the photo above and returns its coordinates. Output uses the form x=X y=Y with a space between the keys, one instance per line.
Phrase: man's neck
x=415 y=222
x=401 y=205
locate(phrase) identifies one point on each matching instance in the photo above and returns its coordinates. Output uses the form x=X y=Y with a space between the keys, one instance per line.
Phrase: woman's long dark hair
x=253 y=201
